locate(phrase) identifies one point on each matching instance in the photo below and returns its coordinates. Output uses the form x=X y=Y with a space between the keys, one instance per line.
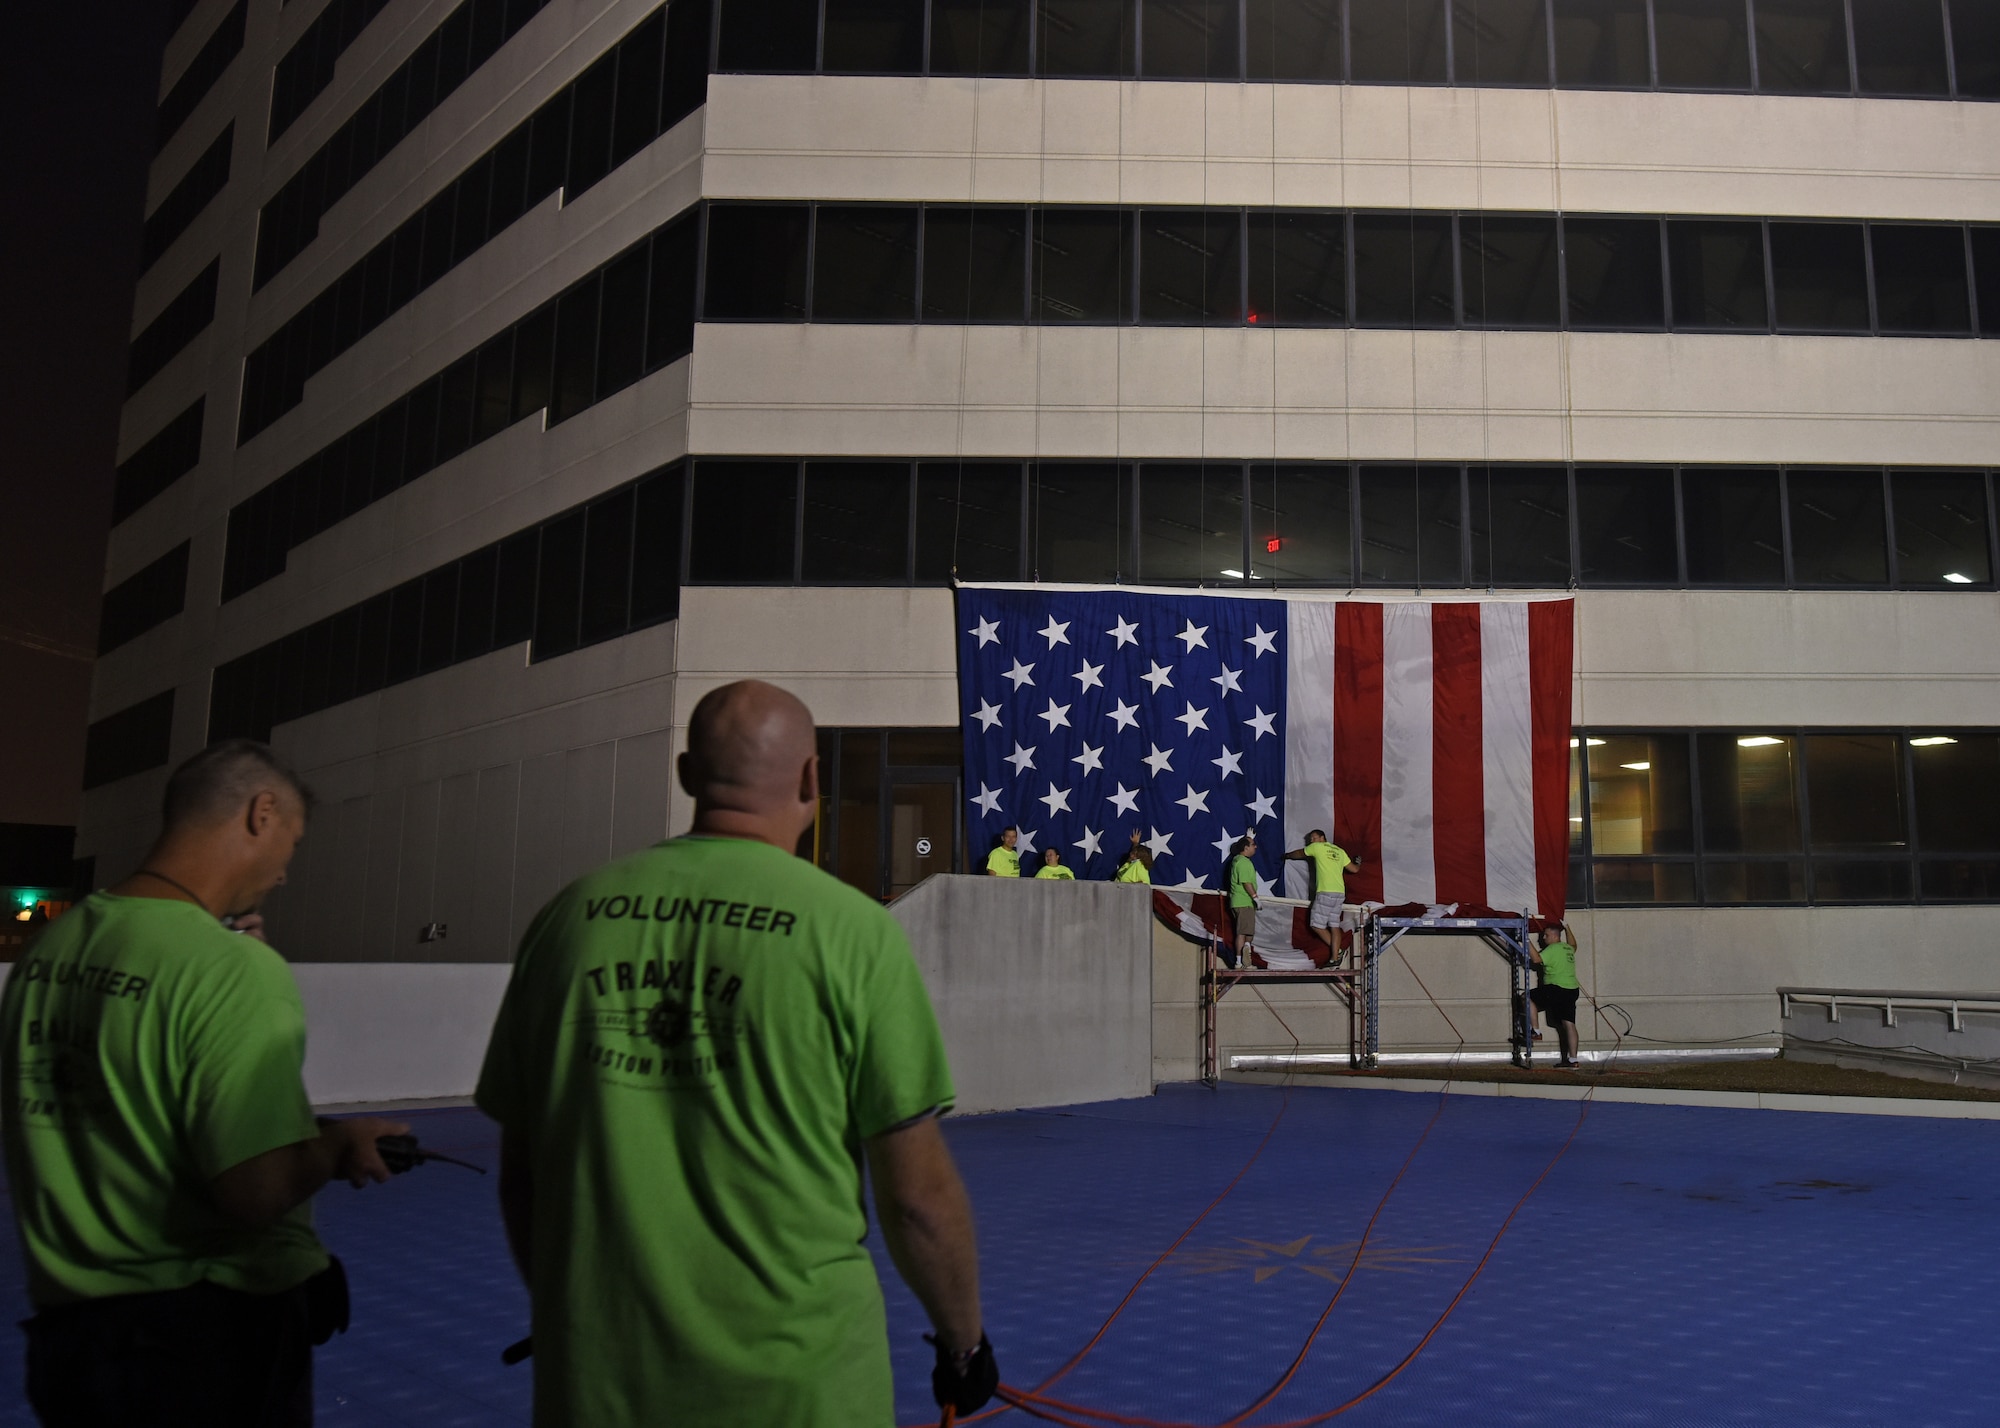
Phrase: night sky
x=78 y=85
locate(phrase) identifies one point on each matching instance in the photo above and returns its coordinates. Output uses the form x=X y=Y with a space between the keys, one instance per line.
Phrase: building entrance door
x=922 y=830
x=889 y=803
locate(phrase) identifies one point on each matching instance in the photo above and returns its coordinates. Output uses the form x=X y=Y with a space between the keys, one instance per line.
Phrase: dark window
x=656 y=549
x=1854 y=787
x=1508 y=267
x=205 y=178
x=1520 y=525
x=1802 y=46
x=1402 y=270
x=1819 y=273
x=144 y=600
x=510 y=179
x=1191 y=523
x=1920 y=278
x=1899 y=47
x=1601 y=44
x=493 y=409
x=1301 y=527
x=1189 y=39
x=1940 y=528
x=371 y=659
x=1957 y=779
x=1190 y=266
x=745 y=522
x=435 y=260
x=471 y=204
x=1975 y=44
x=1614 y=273
x=1411 y=524
x=420 y=424
x=1083 y=265
x=1396 y=41
x=534 y=360
x=1079 y=518
x=1749 y=793
x=1718 y=275
x=873 y=37
x=778 y=35
x=590 y=126
x=756 y=263
x=307 y=67
x=975 y=264
x=979 y=36
x=1639 y=797
x=406 y=628
x=1702 y=44
x=1986 y=276
x=636 y=120
x=686 y=84
x=575 y=378
x=1837 y=528
x=968 y=521
x=670 y=319
x=514 y=599
x=1625 y=526
x=1298 y=269
x=457 y=396
x=173 y=452
x=210 y=63
x=865 y=264
x=621 y=329
x=478 y=575
x=1084 y=37
x=440 y=619
x=1500 y=42
x=1293 y=39
x=131 y=741
x=548 y=147
x=857 y=522
x=559 y=586
x=607 y=567
x=182 y=320
x=1731 y=521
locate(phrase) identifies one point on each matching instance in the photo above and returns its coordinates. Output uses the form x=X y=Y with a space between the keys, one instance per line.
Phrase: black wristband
x=964 y=1382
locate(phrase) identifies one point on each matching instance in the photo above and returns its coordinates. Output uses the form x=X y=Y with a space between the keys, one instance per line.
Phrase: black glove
x=963 y=1382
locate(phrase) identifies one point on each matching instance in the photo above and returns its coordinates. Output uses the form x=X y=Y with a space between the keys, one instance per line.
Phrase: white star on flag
x=988 y=632
x=1021 y=674
x=1124 y=632
x=1158 y=676
x=1126 y=800
x=1264 y=641
x=1222 y=843
x=1193 y=635
x=1229 y=763
x=1090 y=843
x=1056 y=714
x=1026 y=844
x=1087 y=677
x=1231 y=680
x=1056 y=799
x=1159 y=844
x=1055 y=634
x=988 y=715
x=1125 y=716
x=1091 y=759
x=1263 y=806
x=1262 y=722
x=988 y=799
x=1191 y=883
x=1193 y=802
x=1022 y=759
x=1160 y=761
x=1194 y=718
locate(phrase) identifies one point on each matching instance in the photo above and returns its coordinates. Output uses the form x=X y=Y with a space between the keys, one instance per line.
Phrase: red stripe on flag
x=1550 y=655
x=1357 y=743
x=1458 y=756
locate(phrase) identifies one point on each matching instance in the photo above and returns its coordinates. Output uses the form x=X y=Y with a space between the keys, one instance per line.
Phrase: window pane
x=1575 y=803
x=1802 y=46
x=768 y=35
x=1957 y=791
x=575 y=379
x=495 y=388
x=1189 y=39
x=1734 y=533
x=1940 y=528
x=1190 y=267
x=1520 y=525
x=744 y=522
x=857 y=521
x=1508 y=267
x=860 y=815
x=1500 y=42
x=1975 y=43
x=1986 y=276
x=1899 y=46
x=534 y=360
x=1402 y=270
x=1639 y=794
x=514 y=600
x=1749 y=799
x=1396 y=41
x=1601 y=44
x=756 y=263
x=1754 y=882
x=873 y=37
x=1300 y=527
x=607 y=567
x=478 y=573
x=1837 y=528
x=1298 y=269
x=440 y=618
x=1887 y=881
x=372 y=643
x=1082 y=265
x=1718 y=275
x=670 y=315
x=558 y=586
x=1961 y=879
x=1614 y=273
x=1625 y=526
x=621 y=331
x=1621 y=883
x=1293 y=39
x=457 y=393
x=975 y=264
x=979 y=36
x=637 y=118
x=656 y=548
x=1702 y=44
x=1079 y=516
x=590 y=126
x=1854 y=787
x=1820 y=276
x=969 y=521
x=1410 y=524
x=1191 y=523
x=865 y=264
x=1085 y=37
x=1920 y=277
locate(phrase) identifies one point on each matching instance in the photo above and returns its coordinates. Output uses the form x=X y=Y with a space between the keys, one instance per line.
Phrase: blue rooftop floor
x=1678 y=1266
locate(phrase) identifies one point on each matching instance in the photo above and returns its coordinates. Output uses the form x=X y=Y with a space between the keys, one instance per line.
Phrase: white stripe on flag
x=1409 y=869
x=1308 y=731
x=1506 y=717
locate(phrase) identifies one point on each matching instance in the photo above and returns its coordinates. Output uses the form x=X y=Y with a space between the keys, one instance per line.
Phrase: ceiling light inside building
x=1641 y=767
x=1592 y=742
x=1233 y=574
x=1931 y=741
x=1956 y=579
x=1758 y=741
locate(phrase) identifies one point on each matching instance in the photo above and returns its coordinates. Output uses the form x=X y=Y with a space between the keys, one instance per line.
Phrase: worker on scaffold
x=1556 y=996
x=1330 y=863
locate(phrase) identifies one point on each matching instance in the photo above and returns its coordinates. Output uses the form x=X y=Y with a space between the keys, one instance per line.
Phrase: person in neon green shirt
x=700 y=1047
x=1243 y=896
x=1329 y=885
x=1052 y=867
x=1137 y=864
x=1556 y=996
x=1003 y=861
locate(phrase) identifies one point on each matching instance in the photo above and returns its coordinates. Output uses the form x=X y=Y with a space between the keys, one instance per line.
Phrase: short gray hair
x=217 y=782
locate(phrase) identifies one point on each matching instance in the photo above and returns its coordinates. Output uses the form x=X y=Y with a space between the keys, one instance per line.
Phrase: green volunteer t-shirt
x=1004 y=863
x=144 y=1050
x=695 y=1043
x=1132 y=872
x=1058 y=871
x=1242 y=882
x=1329 y=867
x=1559 y=965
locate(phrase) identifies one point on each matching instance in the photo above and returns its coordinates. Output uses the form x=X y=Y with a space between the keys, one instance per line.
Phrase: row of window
x=201 y=75
x=183 y=319
x=630 y=317
x=144 y=600
x=307 y=67
x=781 y=262
x=1778 y=816
x=205 y=178
x=172 y=452
x=1920 y=48
x=129 y=742
x=591 y=574
x=467 y=38
x=640 y=88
